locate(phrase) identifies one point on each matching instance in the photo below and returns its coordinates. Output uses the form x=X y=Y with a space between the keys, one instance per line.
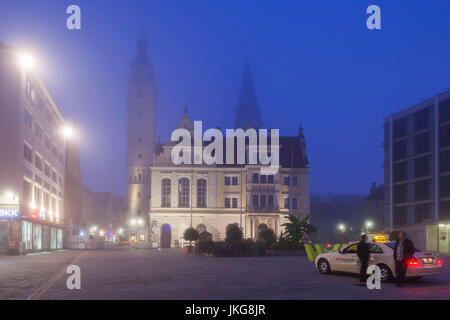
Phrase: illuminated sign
x=381 y=238
x=9 y=213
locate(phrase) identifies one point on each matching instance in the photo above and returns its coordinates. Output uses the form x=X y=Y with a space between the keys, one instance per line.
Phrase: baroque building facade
x=171 y=198
x=211 y=197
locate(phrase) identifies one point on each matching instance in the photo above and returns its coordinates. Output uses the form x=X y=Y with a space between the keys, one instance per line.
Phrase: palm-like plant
x=297 y=228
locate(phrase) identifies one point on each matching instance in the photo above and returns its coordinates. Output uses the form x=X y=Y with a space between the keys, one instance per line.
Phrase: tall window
x=422 y=119
x=38 y=196
x=27 y=153
x=46 y=201
x=255 y=200
x=28 y=120
x=201 y=193
x=38 y=161
x=183 y=193
x=262 y=200
x=47 y=169
x=27 y=190
x=270 y=202
x=166 y=186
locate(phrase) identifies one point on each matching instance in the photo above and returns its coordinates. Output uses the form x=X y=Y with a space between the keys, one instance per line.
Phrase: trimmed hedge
x=286 y=245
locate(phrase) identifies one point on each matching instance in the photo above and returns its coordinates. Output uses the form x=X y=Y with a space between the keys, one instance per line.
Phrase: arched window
x=183 y=193
x=166 y=190
x=201 y=193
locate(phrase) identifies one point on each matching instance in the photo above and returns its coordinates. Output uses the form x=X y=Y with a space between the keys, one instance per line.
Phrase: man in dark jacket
x=403 y=251
x=363 y=253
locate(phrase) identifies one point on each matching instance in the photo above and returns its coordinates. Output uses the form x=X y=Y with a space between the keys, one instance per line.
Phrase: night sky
x=311 y=60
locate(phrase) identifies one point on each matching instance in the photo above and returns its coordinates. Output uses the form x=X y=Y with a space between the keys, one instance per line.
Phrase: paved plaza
x=170 y=274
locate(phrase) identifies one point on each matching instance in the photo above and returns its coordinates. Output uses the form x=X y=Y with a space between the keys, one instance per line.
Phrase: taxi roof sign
x=381 y=238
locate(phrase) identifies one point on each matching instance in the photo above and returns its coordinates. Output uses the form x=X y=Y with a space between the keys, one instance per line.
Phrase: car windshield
x=392 y=245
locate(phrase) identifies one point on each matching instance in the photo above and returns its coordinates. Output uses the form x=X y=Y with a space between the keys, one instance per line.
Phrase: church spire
x=247 y=113
x=142 y=47
x=141 y=67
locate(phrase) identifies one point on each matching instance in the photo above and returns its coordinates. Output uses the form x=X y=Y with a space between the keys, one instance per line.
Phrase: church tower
x=247 y=112
x=141 y=137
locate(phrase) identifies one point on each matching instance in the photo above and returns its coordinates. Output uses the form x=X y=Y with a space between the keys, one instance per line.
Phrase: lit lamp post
x=136 y=223
x=341 y=228
x=26 y=61
x=93 y=230
x=369 y=224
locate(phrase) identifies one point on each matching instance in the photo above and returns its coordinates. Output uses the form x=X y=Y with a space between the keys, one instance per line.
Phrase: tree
x=297 y=227
x=233 y=233
x=267 y=236
x=190 y=234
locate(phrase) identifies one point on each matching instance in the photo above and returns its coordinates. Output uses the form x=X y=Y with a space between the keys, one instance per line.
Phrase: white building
x=417 y=173
x=211 y=197
x=32 y=158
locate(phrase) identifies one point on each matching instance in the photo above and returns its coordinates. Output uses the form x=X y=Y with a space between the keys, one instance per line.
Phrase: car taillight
x=413 y=262
x=439 y=261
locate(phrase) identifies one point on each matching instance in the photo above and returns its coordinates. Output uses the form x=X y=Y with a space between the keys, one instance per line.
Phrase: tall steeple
x=301 y=135
x=141 y=133
x=247 y=112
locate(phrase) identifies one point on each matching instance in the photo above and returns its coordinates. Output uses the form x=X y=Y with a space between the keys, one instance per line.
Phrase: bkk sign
x=9 y=213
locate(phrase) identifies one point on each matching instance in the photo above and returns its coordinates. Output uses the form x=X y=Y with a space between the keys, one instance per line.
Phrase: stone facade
x=231 y=194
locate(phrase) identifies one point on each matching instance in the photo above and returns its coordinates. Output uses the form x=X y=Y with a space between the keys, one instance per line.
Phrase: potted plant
x=190 y=235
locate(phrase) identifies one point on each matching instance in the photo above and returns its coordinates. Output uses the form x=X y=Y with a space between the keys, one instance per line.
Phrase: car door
x=376 y=254
x=347 y=260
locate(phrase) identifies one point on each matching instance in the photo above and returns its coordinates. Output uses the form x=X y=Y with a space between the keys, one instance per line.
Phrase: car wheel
x=385 y=273
x=323 y=266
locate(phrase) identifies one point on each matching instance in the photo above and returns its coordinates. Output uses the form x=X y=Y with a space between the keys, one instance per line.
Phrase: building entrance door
x=443 y=238
x=166 y=237
x=3 y=235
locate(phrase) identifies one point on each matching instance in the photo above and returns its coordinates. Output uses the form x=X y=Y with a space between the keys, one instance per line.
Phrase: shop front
x=22 y=233
x=40 y=237
x=9 y=228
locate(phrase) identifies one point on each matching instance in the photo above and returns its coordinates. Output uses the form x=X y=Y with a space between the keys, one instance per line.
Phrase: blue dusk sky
x=311 y=60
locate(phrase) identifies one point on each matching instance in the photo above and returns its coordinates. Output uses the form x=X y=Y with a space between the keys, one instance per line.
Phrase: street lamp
x=341 y=227
x=369 y=224
x=9 y=195
x=26 y=61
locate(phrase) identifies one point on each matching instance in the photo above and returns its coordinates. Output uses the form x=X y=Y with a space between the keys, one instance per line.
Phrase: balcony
x=262 y=188
x=263 y=209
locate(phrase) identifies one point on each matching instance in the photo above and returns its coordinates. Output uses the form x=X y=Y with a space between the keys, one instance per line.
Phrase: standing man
x=403 y=250
x=363 y=253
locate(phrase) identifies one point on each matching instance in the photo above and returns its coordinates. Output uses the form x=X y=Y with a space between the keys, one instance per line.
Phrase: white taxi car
x=346 y=260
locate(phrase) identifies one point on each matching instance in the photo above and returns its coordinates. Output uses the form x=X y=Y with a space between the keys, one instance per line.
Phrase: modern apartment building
x=32 y=158
x=417 y=172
